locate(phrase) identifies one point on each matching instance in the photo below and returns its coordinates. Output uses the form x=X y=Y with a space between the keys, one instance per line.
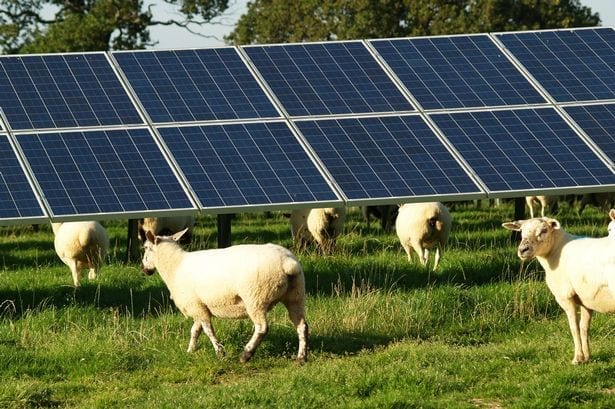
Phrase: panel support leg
x=224 y=230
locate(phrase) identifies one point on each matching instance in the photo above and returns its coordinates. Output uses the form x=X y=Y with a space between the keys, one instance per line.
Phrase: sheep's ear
x=179 y=234
x=150 y=236
x=554 y=224
x=514 y=226
x=612 y=214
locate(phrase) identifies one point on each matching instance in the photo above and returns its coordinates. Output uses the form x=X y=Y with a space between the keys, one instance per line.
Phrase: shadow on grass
x=130 y=298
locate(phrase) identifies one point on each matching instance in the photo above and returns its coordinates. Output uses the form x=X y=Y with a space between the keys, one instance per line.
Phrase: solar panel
x=598 y=122
x=571 y=65
x=523 y=149
x=327 y=78
x=251 y=164
x=386 y=157
x=102 y=172
x=17 y=199
x=456 y=72
x=195 y=85
x=63 y=90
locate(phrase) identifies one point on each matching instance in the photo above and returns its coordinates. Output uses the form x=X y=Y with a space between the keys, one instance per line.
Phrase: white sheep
x=234 y=282
x=166 y=226
x=81 y=245
x=611 y=226
x=323 y=225
x=543 y=201
x=423 y=226
x=580 y=272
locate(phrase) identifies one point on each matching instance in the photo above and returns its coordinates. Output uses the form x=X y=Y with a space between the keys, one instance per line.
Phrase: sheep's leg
x=209 y=331
x=571 y=312
x=260 y=330
x=74 y=269
x=408 y=250
x=424 y=256
x=195 y=332
x=296 y=313
x=436 y=259
x=586 y=317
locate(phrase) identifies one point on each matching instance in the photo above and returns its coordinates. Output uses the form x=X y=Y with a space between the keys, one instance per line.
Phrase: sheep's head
x=150 y=246
x=537 y=236
x=611 y=227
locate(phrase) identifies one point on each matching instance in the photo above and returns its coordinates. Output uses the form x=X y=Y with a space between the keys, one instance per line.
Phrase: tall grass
x=482 y=331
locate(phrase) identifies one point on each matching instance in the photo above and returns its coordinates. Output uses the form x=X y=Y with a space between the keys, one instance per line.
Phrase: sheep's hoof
x=301 y=360
x=245 y=356
x=580 y=361
x=220 y=352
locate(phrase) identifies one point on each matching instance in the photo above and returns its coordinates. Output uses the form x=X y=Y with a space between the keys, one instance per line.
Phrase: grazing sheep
x=81 y=245
x=234 y=282
x=385 y=213
x=611 y=227
x=580 y=272
x=166 y=226
x=321 y=225
x=422 y=226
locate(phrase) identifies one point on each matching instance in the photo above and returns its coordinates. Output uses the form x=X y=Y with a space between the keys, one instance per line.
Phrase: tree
x=33 y=26
x=277 y=21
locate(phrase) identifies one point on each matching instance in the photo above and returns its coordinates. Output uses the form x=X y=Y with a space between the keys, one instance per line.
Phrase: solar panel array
x=133 y=133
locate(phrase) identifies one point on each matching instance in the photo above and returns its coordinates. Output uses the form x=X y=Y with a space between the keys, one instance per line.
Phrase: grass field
x=481 y=332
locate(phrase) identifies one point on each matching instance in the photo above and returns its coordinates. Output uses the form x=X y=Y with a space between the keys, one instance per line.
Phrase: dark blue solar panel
x=195 y=85
x=523 y=149
x=386 y=157
x=327 y=78
x=246 y=164
x=63 y=90
x=456 y=72
x=598 y=122
x=572 y=65
x=17 y=199
x=96 y=172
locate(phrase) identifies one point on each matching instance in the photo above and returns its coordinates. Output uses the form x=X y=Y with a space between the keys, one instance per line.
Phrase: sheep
x=81 y=245
x=611 y=226
x=385 y=213
x=165 y=226
x=423 y=226
x=580 y=272
x=542 y=200
x=234 y=282
x=320 y=225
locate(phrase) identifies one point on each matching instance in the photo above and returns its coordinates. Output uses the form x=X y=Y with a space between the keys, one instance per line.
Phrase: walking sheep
x=423 y=226
x=81 y=245
x=234 y=282
x=580 y=272
x=320 y=225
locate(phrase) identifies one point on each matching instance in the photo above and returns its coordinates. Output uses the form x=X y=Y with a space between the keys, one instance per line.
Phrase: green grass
x=481 y=332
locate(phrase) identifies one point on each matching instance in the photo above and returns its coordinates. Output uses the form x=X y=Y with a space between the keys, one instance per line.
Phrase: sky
x=174 y=37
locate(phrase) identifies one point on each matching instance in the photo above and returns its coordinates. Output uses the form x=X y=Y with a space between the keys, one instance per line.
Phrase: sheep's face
x=148 y=263
x=536 y=236
x=150 y=246
x=611 y=227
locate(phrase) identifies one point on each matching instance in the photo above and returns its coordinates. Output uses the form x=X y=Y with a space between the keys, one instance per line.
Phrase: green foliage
x=277 y=21
x=37 y=26
x=482 y=331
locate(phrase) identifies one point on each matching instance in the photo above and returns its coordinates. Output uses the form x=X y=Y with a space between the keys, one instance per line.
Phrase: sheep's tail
x=291 y=266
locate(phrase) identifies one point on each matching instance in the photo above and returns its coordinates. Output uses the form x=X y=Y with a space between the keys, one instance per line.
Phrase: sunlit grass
x=482 y=331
